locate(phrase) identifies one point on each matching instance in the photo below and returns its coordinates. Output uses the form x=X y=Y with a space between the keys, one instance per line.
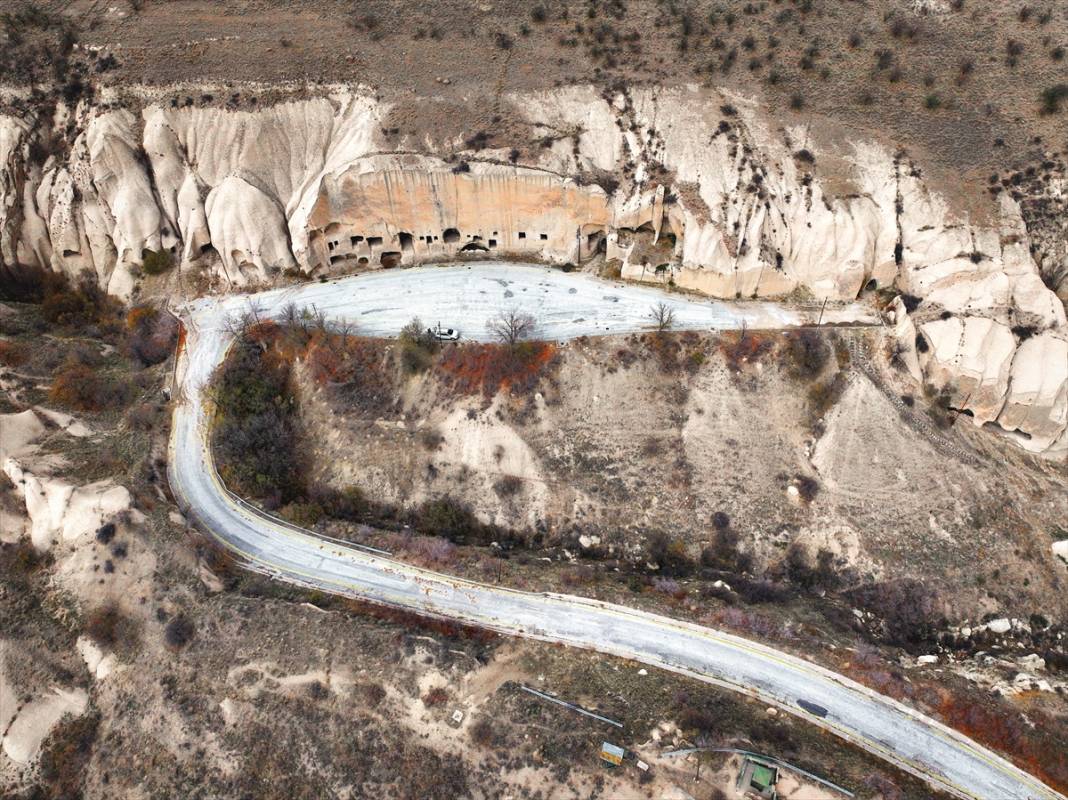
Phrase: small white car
x=444 y=334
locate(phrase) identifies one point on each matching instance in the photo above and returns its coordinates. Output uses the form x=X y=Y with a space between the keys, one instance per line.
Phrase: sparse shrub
x=433 y=549
x=13 y=354
x=437 y=696
x=156 y=262
x=482 y=732
x=807 y=488
x=374 y=693
x=932 y=101
x=797 y=101
x=822 y=395
x=1013 y=51
x=909 y=609
x=1053 y=96
x=179 y=632
x=508 y=486
x=65 y=755
x=503 y=40
x=1023 y=332
x=109 y=627
x=805 y=354
x=804 y=573
x=473 y=367
x=762 y=590
x=21 y=558
x=431 y=439
x=670 y=555
x=304 y=514
x=348 y=503
x=142 y=417
x=723 y=554
x=669 y=586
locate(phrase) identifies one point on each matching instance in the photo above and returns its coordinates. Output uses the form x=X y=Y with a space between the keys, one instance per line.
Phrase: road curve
x=566 y=306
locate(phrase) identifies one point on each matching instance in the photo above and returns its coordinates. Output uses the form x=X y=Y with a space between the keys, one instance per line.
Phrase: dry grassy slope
x=613 y=447
x=406 y=46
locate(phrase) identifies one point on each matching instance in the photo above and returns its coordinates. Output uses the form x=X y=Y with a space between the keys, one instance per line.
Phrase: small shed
x=612 y=753
x=758 y=779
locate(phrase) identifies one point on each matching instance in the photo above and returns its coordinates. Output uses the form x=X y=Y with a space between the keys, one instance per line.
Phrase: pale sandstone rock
x=1037 y=400
x=971 y=356
x=99 y=663
x=905 y=333
x=999 y=626
x=246 y=196
x=24 y=736
x=18 y=431
x=59 y=510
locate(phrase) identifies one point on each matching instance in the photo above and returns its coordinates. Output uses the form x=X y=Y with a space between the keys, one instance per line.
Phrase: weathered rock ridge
x=680 y=185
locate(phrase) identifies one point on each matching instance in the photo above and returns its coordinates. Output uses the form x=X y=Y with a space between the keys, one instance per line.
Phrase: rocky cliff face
x=681 y=186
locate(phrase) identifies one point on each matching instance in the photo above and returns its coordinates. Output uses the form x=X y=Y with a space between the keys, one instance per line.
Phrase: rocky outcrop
x=684 y=186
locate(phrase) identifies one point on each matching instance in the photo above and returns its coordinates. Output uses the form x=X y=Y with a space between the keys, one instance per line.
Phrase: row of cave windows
x=449 y=236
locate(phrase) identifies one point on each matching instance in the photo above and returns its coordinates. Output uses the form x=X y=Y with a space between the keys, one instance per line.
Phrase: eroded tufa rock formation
x=678 y=185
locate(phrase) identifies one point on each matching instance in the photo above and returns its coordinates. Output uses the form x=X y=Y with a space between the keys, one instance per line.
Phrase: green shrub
x=418 y=347
x=156 y=262
x=1053 y=97
x=255 y=426
x=448 y=518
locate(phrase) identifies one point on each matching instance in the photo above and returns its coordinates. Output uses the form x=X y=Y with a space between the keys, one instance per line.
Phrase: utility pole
x=820 y=320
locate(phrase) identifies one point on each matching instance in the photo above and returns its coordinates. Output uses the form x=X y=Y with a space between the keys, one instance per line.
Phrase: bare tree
x=315 y=320
x=290 y=316
x=238 y=325
x=511 y=327
x=345 y=330
x=663 y=317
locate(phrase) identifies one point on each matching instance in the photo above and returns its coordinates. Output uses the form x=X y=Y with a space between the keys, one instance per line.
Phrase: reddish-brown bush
x=743 y=347
x=13 y=354
x=82 y=388
x=151 y=336
x=472 y=367
x=109 y=627
x=437 y=696
x=1030 y=741
x=65 y=756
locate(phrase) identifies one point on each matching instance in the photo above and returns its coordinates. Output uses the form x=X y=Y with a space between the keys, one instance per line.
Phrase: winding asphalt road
x=566 y=306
